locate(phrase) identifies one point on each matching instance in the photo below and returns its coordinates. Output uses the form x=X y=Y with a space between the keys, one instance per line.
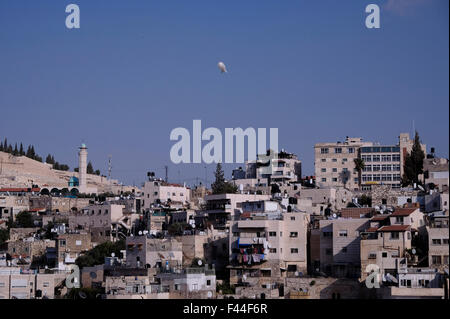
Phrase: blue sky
x=137 y=69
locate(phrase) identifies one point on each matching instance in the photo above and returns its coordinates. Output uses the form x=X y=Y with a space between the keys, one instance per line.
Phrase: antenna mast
x=167 y=173
x=109 y=167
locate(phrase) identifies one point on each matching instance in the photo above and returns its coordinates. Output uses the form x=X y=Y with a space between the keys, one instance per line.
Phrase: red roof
x=36 y=209
x=379 y=217
x=392 y=228
x=17 y=190
x=371 y=229
x=403 y=211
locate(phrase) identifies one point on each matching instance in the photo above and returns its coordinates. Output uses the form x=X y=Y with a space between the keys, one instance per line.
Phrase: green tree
x=220 y=186
x=365 y=200
x=24 y=219
x=275 y=189
x=96 y=256
x=89 y=168
x=21 y=152
x=413 y=166
x=15 y=151
x=359 y=166
x=4 y=236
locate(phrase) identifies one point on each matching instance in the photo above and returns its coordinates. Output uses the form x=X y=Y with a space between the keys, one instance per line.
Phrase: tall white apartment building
x=335 y=161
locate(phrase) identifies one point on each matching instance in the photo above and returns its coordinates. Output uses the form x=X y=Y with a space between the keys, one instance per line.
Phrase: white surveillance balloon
x=222 y=67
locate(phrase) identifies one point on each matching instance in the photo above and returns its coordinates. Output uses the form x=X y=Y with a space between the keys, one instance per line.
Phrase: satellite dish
x=82 y=295
x=222 y=67
x=199 y=262
x=334 y=215
x=209 y=294
x=140 y=233
x=193 y=226
x=413 y=251
x=296 y=274
x=113 y=254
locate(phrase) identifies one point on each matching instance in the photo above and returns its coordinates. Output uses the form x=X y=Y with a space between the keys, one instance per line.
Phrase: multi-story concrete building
x=105 y=222
x=340 y=246
x=279 y=167
x=267 y=242
x=437 y=229
x=158 y=191
x=334 y=163
x=143 y=251
x=222 y=208
x=382 y=166
x=70 y=246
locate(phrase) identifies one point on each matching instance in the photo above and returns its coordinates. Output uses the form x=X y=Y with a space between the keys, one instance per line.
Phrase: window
x=293 y=234
x=344 y=160
x=62 y=242
x=334 y=160
x=436 y=259
x=208 y=282
x=78 y=242
x=376 y=168
x=375 y=158
x=396 y=158
x=272 y=250
x=292 y=218
x=344 y=249
x=327 y=234
x=334 y=179
x=272 y=234
x=436 y=241
x=323 y=179
x=334 y=170
x=194 y=286
x=338 y=150
x=342 y=233
x=445 y=241
x=366 y=158
x=398 y=220
x=372 y=255
x=323 y=159
x=323 y=170
x=294 y=250
x=351 y=150
x=395 y=235
x=46 y=284
x=385 y=158
x=367 y=168
x=384 y=254
x=324 y=151
x=177 y=286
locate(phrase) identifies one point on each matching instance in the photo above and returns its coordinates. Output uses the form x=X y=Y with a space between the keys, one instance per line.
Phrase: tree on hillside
x=24 y=220
x=15 y=151
x=220 y=186
x=359 y=166
x=413 y=166
x=96 y=256
x=21 y=152
x=89 y=168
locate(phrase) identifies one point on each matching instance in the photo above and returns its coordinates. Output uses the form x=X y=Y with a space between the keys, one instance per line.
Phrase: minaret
x=82 y=166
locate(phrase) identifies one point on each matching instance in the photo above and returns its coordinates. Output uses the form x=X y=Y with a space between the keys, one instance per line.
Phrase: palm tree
x=359 y=166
